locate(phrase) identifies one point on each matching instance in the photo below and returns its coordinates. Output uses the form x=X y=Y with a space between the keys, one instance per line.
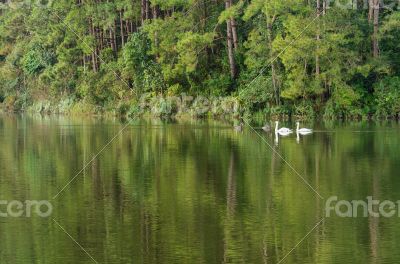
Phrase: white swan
x=303 y=131
x=283 y=131
x=238 y=128
x=266 y=128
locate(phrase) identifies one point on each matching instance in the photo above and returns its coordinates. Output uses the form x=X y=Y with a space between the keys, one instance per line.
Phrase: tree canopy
x=277 y=57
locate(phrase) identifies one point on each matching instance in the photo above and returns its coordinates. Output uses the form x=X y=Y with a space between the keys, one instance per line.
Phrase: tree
x=230 y=42
x=375 y=45
x=278 y=55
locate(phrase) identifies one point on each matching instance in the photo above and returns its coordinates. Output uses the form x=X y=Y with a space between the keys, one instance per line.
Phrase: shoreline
x=228 y=108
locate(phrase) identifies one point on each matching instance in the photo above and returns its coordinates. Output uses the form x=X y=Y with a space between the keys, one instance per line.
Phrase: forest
x=304 y=58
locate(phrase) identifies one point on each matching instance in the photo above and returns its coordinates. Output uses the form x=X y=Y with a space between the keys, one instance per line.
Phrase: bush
x=256 y=96
x=83 y=107
x=280 y=111
x=230 y=106
x=343 y=104
x=9 y=102
x=65 y=105
x=387 y=97
x=200 y=107
x=218 y=84
x=175 y=89
x=138 y=66
x=304 y=111
x=122 y=109
x=36 y=59
x=134 y=110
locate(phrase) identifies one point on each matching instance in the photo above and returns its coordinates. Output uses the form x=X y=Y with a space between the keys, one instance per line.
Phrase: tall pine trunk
x=234 y=29
x=155 y=16
x=317 y=68
x=143 y=11
x=273 y=65
x=112 y=41
x=121 y=21
x=370 y=10
x=94 y=50
x=147 y=9
x=231 y=55
x=114 y=38
x=375 y=44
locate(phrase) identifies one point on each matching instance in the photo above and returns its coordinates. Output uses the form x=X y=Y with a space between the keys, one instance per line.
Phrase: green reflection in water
x=194 y=192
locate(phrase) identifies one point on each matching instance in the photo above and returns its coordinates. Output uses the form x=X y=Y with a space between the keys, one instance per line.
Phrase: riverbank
x=147 y=105
x=186 y=106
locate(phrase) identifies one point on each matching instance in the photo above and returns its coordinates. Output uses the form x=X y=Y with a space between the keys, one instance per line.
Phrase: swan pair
x=283 y=131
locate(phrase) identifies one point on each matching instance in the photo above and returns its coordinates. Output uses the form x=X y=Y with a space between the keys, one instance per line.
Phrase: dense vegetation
x=292 y=57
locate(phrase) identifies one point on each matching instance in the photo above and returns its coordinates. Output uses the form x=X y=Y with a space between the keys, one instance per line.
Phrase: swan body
x=239 y=127
x=303 y=131
x=283 y=131
x=266 y=128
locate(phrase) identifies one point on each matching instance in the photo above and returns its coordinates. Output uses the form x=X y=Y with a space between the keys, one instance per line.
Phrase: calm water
x=194 y=192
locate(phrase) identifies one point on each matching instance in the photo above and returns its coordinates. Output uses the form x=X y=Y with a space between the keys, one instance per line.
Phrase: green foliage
x=281 y=111
x=36 y=59
x=188 y=48
x=341 y=106
x=304 y=111
x=387 y=96
x=175 y=89
x=166 y=4
x=152 y=78
x=136 y=53
x=259 y=95
x=123 y=108
x=140 y=66
x=288 y=61
x=232 y=12
x=389 y=44
x=217 y=84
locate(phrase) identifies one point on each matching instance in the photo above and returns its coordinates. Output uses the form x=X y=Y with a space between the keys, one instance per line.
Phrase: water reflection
x=194 y=192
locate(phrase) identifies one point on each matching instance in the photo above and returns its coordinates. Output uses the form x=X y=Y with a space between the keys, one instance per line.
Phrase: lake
x=194 y=192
